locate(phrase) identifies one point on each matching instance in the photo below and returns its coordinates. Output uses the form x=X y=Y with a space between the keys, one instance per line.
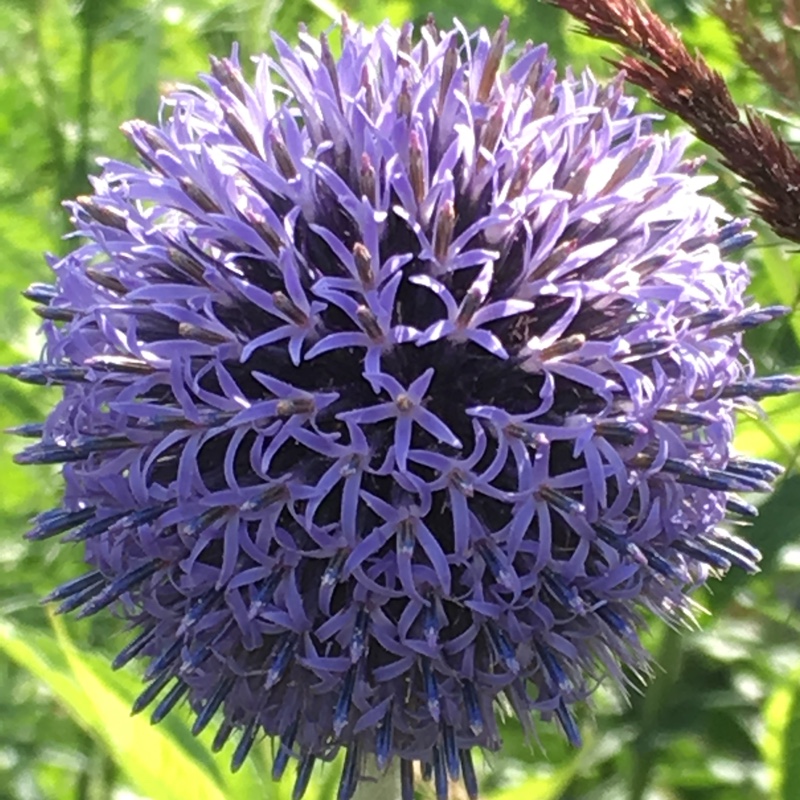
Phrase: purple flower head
x=395 y=385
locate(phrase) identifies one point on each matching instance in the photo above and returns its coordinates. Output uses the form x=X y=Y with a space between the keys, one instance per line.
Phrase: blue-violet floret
x=396 y=385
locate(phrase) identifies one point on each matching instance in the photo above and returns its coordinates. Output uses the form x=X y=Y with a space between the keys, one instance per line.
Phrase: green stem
x=96 y=778
x=50 y=105
x=789 y=34
x=643 y=748
x=386 y=787
x=81 y=161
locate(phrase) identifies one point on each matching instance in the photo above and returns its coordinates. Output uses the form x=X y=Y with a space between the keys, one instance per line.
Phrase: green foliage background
x=721 y=720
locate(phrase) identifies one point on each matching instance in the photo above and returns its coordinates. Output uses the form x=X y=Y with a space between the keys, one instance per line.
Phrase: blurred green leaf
x=781 y=741
x=778 y=524
x=548 y=784
x=775 y=434
x=701 y=743
x=153 y=760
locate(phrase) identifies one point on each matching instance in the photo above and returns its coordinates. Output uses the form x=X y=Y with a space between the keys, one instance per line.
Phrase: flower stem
x=644 y=751
x=385 y=786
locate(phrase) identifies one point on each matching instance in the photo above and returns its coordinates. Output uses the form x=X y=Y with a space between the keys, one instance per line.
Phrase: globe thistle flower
x=395 y=386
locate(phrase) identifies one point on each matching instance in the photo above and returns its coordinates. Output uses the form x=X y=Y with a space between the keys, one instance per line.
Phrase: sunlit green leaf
x=781 y=741
x=153 y=760
x=777 y=524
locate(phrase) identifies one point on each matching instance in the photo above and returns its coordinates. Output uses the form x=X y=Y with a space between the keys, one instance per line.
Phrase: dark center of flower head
x=395 y=386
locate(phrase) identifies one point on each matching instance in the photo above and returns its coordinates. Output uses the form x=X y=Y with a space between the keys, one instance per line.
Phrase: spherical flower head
x=395 y=385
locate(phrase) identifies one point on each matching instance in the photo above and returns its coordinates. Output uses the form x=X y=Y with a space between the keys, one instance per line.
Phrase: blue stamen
x=616 y=622
x=143 y=516
x=561 y=501
x=245 y=744
x=266 y=498
x=406 y=779
x=78 y=599
x=431 y=689
x=265 y=593
x=212 y=705
x=687 y=419
x=55 y=313
x=504 y=649
x=94 y=528
x=569 y=724
x=737 y=506
x=151 y=692
x=133 y=648
x=169 y=702
x=358 y=640
x=76 y=585
x=195 y=658
x=739 y=557
x=566 y=594
x=349 y=779
x=618 y=542
x=198 y=609
x=472 y=704
x=282 y=658
x=758 y=470
x=707 y=556
x=440 y=774
x=757 y=389
x=383 y=741
x=334 y=569
x=51 y=523
x=622 y=432
x=165 y=659
x=650 y=347
x=430 y=624
x=714 y=479
x=223 y=734
x=342 y=711
x=198 y=524
x=738 y=545
x=500 y=571
x=79 y=450
x=450 y=751
x=118 y=587
x=470 y=778
x=554 y=669
x=30 y=430
x=44 y=374
x=406 y=538
x=660 y=565
x=737 y=242
x=40 y=293
x=304 y=770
